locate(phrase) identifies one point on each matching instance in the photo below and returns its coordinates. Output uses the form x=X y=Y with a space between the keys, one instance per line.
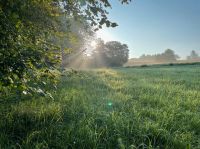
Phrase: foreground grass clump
x=111 y=108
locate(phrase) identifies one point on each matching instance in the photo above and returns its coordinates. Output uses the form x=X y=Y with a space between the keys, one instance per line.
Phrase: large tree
x=117 y=53
x=111 y=54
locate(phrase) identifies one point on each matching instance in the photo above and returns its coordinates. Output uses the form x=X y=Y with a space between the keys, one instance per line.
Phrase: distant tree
x=193 y=56
x=169 y=56
x=111 y=54
x=143 y=56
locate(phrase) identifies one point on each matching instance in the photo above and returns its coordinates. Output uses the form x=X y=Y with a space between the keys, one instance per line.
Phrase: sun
x=93 y=44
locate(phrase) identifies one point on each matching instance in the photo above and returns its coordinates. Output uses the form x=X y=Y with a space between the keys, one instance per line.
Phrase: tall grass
x=109 y=108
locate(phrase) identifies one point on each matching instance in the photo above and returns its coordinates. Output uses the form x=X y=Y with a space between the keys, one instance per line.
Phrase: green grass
x=150 y=107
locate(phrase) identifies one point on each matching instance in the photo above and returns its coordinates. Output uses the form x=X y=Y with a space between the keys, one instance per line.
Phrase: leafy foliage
x=26 y=53
x=92 y=10
x=111 y=54
x=29 y=29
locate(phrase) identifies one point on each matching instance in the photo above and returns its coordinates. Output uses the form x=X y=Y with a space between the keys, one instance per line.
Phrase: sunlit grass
x=110 y=108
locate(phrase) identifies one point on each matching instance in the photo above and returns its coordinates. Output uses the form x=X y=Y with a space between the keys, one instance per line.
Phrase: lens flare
x=110 y=103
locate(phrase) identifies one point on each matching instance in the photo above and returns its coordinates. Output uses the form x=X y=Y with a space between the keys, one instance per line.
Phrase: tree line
x=168 y=56
x=109 y=54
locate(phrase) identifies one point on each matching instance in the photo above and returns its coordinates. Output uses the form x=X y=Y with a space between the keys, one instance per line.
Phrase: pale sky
x=151 y=26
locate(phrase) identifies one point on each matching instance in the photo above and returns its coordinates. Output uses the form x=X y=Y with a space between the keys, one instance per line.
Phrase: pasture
x=144 y=107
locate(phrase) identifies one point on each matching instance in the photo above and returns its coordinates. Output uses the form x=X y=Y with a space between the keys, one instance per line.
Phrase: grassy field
x=150 y=107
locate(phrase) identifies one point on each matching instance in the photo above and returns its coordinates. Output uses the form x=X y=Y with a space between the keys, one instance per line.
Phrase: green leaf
x=114 y=24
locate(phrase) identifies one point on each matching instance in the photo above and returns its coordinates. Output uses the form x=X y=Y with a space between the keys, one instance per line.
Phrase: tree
x=98 y=56
x=71 y=38
x=111 y=54
x=117 y=53
x=169 y=56
x=148 y=58
x=92 y=10
x=193 y=56
x=25 y=50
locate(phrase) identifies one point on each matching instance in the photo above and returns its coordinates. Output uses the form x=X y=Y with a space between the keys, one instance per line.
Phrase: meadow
x=144 y=108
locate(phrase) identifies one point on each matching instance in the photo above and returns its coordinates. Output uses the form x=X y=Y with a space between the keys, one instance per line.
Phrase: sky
x=152 y=26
